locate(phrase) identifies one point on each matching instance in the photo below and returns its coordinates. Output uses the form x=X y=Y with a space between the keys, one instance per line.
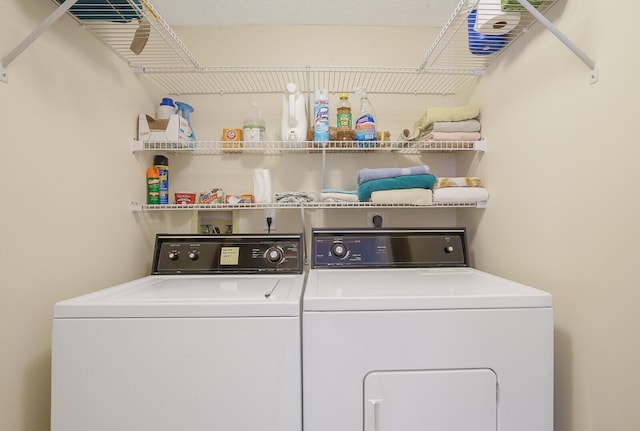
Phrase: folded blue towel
x=403 y=182
x=379 y=173
x=349 y=192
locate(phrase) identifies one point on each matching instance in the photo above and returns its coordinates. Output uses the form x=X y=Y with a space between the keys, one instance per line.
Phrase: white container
x=294 y=122
x=166 y=109
x=321 y=116
x=253 y=126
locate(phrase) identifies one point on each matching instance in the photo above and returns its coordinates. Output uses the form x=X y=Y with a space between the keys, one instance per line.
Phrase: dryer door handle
x=375 y=414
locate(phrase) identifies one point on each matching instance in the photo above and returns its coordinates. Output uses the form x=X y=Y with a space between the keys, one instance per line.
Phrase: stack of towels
x=410 y=185
x=452 y=190
x=446 y=124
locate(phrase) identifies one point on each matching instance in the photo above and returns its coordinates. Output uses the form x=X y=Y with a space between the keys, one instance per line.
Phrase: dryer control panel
x=389 y=248
x=227 y=254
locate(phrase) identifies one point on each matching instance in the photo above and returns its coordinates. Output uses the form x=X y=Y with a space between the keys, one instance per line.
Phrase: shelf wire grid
x=118 y=23
x=459 y=47
x=135 y=206
x=280 y=147
x=447 y=67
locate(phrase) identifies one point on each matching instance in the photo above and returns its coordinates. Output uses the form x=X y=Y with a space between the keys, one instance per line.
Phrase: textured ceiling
x=402 y=13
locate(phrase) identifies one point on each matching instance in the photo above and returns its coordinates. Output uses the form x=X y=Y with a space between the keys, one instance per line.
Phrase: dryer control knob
x=193 y=255
x=173 y=255
x=274 y=255
x=448 y=249
x=338 y=250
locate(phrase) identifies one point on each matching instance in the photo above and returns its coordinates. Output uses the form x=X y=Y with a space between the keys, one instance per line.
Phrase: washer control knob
x=274 y=255
x=193 y=255
x=173 y=255
x=338 y=250
x=448 y=249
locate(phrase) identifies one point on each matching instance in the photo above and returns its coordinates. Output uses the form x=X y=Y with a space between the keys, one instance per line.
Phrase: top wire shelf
x=136 y=32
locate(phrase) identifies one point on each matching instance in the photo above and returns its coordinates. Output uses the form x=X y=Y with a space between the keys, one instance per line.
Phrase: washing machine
x=400 y=333
x=209 y=341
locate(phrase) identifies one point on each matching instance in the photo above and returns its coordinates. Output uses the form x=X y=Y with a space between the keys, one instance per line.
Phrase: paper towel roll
x=490 y=19
x=262 y=185
x=483 y=44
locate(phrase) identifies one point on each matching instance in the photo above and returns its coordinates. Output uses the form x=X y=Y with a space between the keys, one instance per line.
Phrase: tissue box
x=175 y=128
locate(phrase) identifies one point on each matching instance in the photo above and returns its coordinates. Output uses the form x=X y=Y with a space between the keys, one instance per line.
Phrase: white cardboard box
x=175 y=128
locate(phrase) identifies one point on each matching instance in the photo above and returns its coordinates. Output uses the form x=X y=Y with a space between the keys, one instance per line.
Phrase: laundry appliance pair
x=390 y=329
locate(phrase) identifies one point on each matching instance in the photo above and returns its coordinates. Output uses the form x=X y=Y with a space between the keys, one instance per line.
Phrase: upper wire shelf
x=136 y=32
x=279 y=147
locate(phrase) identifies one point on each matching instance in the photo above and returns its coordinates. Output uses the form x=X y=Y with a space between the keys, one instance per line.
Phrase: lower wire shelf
x=136 y=207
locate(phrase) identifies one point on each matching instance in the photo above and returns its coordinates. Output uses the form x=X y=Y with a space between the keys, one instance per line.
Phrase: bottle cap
x=344 y=96
x=322 y=94
x=160 y=160
x=153 y=172
x=166 y=101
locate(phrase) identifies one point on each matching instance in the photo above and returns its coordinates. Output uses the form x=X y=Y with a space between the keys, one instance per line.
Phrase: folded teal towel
x=514 y=5
x=404 y=182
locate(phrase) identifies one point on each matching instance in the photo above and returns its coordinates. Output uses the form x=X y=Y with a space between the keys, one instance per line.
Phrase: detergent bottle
x=294 y=121
x=185 y=110
x=166 y=109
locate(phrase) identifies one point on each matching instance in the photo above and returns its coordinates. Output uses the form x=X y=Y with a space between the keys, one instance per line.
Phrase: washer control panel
x=389 y=248
x=233 y=254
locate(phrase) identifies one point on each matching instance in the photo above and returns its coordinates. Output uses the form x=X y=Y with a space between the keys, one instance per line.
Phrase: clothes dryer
x=209 y=341
x=399 y=333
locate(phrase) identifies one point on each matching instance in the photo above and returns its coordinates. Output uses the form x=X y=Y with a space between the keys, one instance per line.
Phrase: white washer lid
x=416 y=289
x=191 y=296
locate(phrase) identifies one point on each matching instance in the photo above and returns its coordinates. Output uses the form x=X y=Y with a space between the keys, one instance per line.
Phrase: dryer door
x=443 y=400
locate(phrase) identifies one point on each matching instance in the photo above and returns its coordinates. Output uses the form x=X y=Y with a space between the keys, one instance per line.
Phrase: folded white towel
x=402 y=196
x=338 y=197
x=463 y=195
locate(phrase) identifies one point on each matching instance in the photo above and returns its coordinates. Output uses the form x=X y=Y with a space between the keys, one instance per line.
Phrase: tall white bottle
x=294 y=122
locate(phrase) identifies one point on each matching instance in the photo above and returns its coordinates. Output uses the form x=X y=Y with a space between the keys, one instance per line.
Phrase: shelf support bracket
x=35 y=34
x=557 y=33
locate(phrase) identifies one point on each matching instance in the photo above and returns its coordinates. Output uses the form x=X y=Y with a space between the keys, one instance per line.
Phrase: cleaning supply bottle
x=166 y=109
x=344 y=119
x=253 y=126
x=153 y=186
x=294 y=121
x=365 y=124
x=162 y=164
x=185 y=110
x=321 y=116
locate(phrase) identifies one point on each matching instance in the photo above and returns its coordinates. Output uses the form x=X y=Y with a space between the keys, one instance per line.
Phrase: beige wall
x=560 y=170
x=66 y=173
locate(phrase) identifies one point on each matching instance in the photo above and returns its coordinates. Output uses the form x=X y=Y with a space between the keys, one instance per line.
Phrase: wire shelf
x=136 y=32
x=280 y=147
x=456 y=49
x=135 y=207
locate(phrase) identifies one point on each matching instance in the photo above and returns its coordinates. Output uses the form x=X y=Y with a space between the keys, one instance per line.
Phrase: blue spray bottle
x=185 y=110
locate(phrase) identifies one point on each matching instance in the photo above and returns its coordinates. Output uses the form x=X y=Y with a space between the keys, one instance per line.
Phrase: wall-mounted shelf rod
x=572 y=46
x=35 y=34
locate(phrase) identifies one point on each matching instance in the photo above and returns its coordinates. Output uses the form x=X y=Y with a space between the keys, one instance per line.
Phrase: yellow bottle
x=344 y=120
